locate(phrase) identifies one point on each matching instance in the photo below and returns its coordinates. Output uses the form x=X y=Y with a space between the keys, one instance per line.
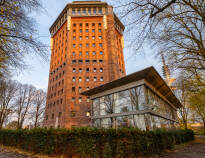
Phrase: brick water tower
x=86 y=51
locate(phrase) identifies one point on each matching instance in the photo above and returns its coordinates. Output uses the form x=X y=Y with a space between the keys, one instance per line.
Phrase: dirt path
x=195 y=149
x=11 y=153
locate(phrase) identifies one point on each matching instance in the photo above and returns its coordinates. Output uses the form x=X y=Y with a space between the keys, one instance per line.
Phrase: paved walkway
x=10 y=153
x=195 y=149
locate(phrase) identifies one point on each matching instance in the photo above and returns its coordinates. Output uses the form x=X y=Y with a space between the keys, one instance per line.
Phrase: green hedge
x=94 y=143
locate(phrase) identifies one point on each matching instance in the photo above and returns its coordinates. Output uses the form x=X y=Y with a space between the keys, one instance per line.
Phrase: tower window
x=87 y=37
x=93 y=44
x=101 y=69
x=80 y=79
x=73 y=89
x=80 y=69
x=59 y=114
x=87 y=23
x=73 y=61
x=93 y=37
x=87 y=69
x=80 y=61
x=87 y=79
x=100 y=30
x=73 y=11
x=94 y=53
x=78 y=11
x=73 y=79
x=73 y=99
x=87 y=53
x=100 y=10
x=93 y=30
x=88 y=113
x=89 y=11
x=100 y=44
x=79 y=99
x=93 y=24
x=95 y=79
x=101 y=61
x=94 y=61
x=80 y=37
x=81 y=24
x=94 y=70
x=74 y=38
x=101 y=79
x=86 y=30
x=80 y=89
x=88 y=100
x=73 y=53
x=80 y=45
x=87 y=88
x=80 y=53
x=52 y=116
x=94 y=10
x=81 y=30
x=74 y=45
x=87 y=61
x=84 y=11
x=73 y=113
x=87 y=45
x=101 y=53
x=74 y=30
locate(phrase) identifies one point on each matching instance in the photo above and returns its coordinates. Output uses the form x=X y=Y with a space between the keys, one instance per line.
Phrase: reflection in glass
x=96 y=107
x=96 y=123
x=132 y=100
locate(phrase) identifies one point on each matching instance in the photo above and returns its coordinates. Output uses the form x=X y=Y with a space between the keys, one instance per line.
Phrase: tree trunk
x=185 y=124
x=1 y=125
x=204 y=126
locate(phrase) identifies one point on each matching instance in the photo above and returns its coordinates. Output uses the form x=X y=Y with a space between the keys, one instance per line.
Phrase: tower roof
x=90 y=3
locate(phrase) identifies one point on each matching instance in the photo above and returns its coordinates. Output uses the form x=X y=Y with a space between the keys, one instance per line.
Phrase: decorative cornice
x=67 y=12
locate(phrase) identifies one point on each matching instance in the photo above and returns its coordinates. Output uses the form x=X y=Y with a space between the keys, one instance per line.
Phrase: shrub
x=94 y=143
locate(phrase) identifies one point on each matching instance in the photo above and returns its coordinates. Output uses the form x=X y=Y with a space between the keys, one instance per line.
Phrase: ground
x=194 y=149
x=5 y=153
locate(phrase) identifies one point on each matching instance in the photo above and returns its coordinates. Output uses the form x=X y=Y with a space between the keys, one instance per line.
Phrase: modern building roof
x=150 y=75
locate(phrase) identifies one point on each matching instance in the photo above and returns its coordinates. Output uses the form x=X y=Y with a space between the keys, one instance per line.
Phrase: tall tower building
x=86 y=51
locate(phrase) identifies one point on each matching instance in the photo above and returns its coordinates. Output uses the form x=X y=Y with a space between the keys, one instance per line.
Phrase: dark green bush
x=94 y=143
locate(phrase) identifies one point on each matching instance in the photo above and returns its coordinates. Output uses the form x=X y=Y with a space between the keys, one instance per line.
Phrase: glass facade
x=128 y=108
x=121 y=102
x=159 y=106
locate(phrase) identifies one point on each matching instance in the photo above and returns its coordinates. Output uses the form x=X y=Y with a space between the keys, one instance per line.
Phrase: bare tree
x=23 y=103
x=18 y=34
x=38 y=108
x=197 y=100
x=134 y=95
x=8 y=91
x=109 y=102
x=175 y=26
x=12 y=125
x=182 y=92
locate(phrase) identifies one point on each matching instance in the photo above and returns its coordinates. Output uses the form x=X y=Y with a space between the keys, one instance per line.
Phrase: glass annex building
x=142 y=100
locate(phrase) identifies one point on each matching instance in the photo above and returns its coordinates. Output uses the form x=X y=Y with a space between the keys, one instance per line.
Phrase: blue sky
x=37 y=73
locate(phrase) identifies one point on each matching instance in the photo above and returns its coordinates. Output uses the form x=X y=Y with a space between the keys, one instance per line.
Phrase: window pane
x=96 y=107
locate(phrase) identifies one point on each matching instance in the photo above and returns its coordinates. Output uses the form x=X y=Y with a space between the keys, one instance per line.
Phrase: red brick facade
x=87 y=51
